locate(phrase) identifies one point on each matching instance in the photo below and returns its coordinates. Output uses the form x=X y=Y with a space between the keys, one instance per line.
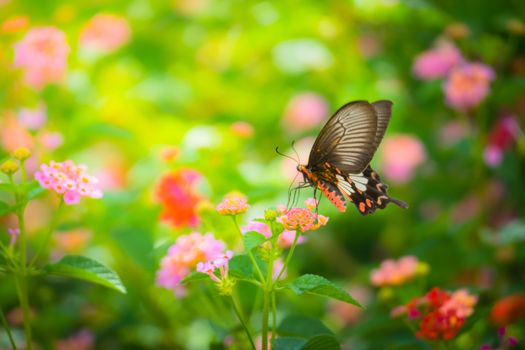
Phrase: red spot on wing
x=333 y=197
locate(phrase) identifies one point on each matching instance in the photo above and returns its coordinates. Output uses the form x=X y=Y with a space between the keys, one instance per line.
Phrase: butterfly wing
x=383 y=109
x=347 y=141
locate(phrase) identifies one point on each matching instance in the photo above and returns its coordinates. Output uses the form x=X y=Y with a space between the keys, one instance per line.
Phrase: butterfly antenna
x=284 y=155
x=296 y=153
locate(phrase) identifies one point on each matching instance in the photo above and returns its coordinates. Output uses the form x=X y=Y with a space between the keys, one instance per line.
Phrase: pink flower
x=506 y=130
x=401 y=155
x=437 y=62
x=461 y=303
x=14 y=135
x=305 y=111
x=302 y=219
x=33 y=118
x=51 y=140
x=69 y=180
x=287 y=237
x=14 y=233
x=277 y=267
x=105 y=32
x=177 y=193
x=219 y=262
x=242 y=129
x=311 y=203
x=393 y=273
x=83 y=340
x=183 y=257
x=42 y=53
x=467 y=85
x=259 y=227
x=233 y=203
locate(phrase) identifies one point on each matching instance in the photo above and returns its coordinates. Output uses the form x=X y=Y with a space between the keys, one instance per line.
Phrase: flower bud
x=270 y=214
x=21 y=153
x=226 y=285
x=9 y=167
x=422 y=268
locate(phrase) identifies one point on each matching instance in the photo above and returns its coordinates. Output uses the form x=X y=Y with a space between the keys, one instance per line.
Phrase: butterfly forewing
x=383 y=110
x=347 y=140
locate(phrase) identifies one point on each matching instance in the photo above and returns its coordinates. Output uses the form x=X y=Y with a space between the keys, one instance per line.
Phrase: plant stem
x=268 y=292
x=49 y=233
x=238 y=312
x=274 y=317
x=21 y=289
x=8 y=330
x=250 y=254
x=288 y=257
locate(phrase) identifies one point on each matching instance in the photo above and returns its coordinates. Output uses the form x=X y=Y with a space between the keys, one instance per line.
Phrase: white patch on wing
x=360 y=181
x=344 y=185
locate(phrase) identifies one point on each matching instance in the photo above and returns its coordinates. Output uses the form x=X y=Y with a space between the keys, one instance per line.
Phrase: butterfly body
x=339 y=160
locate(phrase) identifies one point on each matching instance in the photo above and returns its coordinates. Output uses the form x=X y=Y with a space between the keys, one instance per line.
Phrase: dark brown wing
x=347 y=141
x=383 y=110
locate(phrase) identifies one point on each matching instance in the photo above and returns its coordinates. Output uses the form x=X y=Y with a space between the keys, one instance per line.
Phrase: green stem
x=267 y=296
x=238 y=312
x=288 y=257
x=21 y=289
x=274 y=317
x=250 y=254
x=8 y=330
x=49 y=233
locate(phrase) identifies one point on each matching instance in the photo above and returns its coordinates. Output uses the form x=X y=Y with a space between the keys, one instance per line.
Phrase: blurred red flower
x=508 y=310
x=179 y=198
x=506 y=130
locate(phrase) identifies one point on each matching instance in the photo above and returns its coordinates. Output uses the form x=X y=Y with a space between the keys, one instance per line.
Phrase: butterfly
x=339 y=161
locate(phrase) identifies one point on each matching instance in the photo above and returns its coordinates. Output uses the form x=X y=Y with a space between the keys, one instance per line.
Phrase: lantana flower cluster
x=233 y=203
x=440 y=313
x=219 y=263
x=302 y=219
x=69 y=180
x=183 y=256
x=396 y=272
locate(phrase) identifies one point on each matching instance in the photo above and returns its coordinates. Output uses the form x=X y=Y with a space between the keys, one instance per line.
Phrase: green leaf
x=322 y=342
x=7 y=187
x=4 y=208
x=302 y=327
x=317 y=285
x=286 y=343
x=240 y=266
x=195 y=276
x=252 y=239
x=35 y=192
x=86 y=269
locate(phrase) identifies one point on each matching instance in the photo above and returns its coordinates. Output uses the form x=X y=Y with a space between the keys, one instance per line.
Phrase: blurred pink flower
x=259 y=227
x=452 y=132
x=33 y=118
x=51 y=140
x=14 y=233
x=14 y=135
x=71 y=242
x=286 y=238
x=69 y=180
x=42 y=53
x=183 y=257
x=233 y=203
x=467 y=85
x=305 y=111
x=436 y=62
x=393 y=273
x=170 y=153
x=242 y=129
x=105 y=32
x=401 y=154
x=177 y=193
x=277 y=267
x=506 y=130
x=83 y=340
x=461 y=303
x=347 y=314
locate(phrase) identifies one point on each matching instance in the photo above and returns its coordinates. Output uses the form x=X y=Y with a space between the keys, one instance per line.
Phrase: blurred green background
x=215 y=86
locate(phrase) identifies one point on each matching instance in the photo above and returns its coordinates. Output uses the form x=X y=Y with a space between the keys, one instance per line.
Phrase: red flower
x=508 y=310
x=179 y=198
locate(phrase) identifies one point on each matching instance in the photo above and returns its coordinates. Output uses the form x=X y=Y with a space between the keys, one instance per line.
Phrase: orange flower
x=508 y=310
